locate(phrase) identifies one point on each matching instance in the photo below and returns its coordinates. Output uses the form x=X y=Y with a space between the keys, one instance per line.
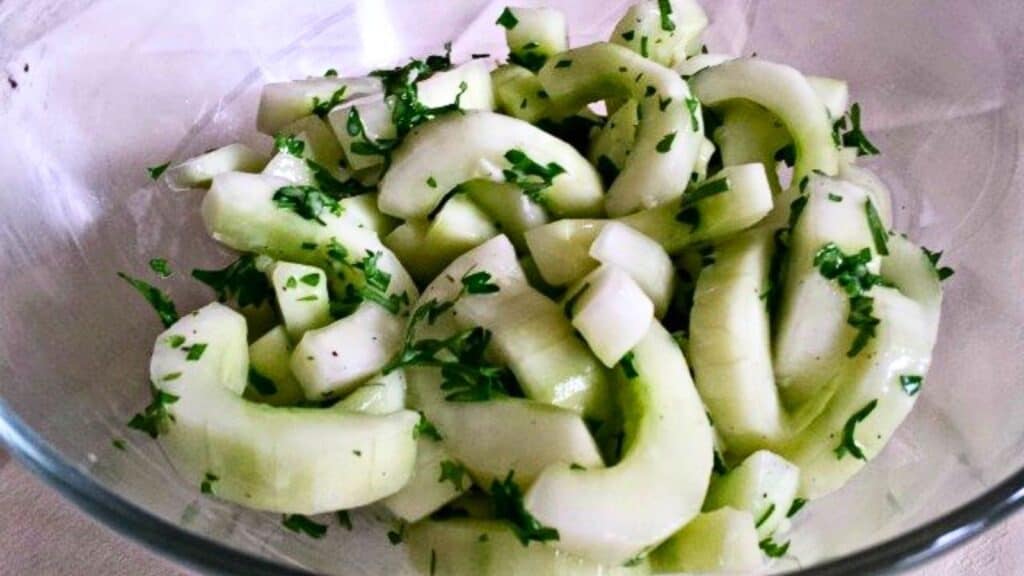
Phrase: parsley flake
x=911 y=383
x=693 y=107
x=798 y=503
x=507 y=19
x=303 y=525
x=322 y=107
x=479 y=283
x=665 y=7
x=878 y=233
x=206 y=487
x=452 y=472
x=628 y=367
x=665 y=144
x=311 y=279
x=848 y=443
x=239 y=280
x=933 y=258
x=154 y=418
x=563 y=64
x=507 y=499
x=426 y=429
x=160 y=302
x=261 y=384
x=851 y=273
x=531 y=176
x=773 y=550
x=853 y=137
x=765 y=515
x=194 y=352
x=289 y=144
x=309 y=202
x=160 y=267
x=156 y=171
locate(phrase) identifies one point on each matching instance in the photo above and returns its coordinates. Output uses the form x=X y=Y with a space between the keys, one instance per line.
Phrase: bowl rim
x=187 y=548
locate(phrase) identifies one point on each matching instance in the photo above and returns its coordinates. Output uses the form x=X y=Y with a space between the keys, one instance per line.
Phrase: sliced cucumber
x=493 y=438
x=408 y=242
x=612 y=143
x=611 y=312
x=332 y=360
x=518 y=93
x=538 y=34
x=289 y=167
x=561 y=249
x=290 y=460
x=600 y=514
x=199 y=171
x=427 y=489
x=873 y=185
x=785 y=93
x=383 y=394
x=301 y=295
x=375 y=116
x=269 y=362
x=811 y=333
x=723 y=541
x=505 y=203
x=442 y=88
x=321 y=145
x=698 y=62
x=642 y=29
x=362 y=212
x=533 y=278
x=834 y=94
x=749 y=133
x=764 y=485
x=746 y=201
x=643 y=259
x=284 y=102
x=444 y=153
x=465 y=546
x=670 y=130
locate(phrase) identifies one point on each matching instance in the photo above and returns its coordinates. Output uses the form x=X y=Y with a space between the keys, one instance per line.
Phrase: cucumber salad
x=621 y=308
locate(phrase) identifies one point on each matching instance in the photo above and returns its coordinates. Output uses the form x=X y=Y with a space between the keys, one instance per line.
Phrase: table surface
x=41 y=533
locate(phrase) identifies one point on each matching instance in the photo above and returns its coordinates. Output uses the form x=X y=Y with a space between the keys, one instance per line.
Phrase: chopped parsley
x=848 y=443
x=665 y=7
x=643 y=46
x=838 y=198
x=911 y=383
x=563 y=64
x=531 y=176
x=206 y=487
x=160 y=267
x=156 y=171
x=607 y=169
x=628 y=368
x=239 y=280
x=798 y=503
x=765 y=515
x=322 y=107
x=933 y=257
x=330 y=73
x=665 y=144
x=575 y=466
x=154 y=418
x=432 y=182
x=400 y=87
x=878 y=233
x=650 y=91
x=850 y=271
x=396 y=536
x=170 y=377
x=369 y=282
x=507 y=499
x=309 y=202
x=693 y=107
x=773 y=550
x=160 y=302
x=718 y=464
x=175 y=340
x=529 y=59
x=569 y=308
x=629 y=35
x=331 y=186
x=303 y=525
x=426 y=429
x=261 y=384
x=453 y=472
x=853 y=137
x=663 y=103
x=704 y=191
x=311 y=279
x=194 y=352
x=507 y=19
x=479 y=283
x=118 y=443
x=289 y=144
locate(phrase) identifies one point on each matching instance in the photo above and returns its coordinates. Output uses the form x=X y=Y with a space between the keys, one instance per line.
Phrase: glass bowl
x=97 y=91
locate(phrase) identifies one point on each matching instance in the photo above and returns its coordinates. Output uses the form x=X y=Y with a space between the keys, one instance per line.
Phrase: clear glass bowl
x=97 y=91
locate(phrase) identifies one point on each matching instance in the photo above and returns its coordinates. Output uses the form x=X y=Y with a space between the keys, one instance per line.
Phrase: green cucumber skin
x=289 y=460
x=721 y=541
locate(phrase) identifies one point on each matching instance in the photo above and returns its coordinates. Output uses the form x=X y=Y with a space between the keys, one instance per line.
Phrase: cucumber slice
x=534 y=279
x=199 y=171
x=785 y=93
x=764 y=485
x=749 y=133
x=489 y=548
x=332 y=360
x=834 y=94
x=512 y=210
x=290 y=168
x=668 y=135
x=362 y=212
x=643 y=259
x=600 y=514
x=269 y=361
x=443 y=87
x=642 y=30
x=612 y=143
x=611 y=312
x=811 y=332
x=561 y=249
x=908 y=267
x=284 y=102
x=427 y=247
x=375 y=115
x=730 y=344
x=518 y=93
x=723 y=541
x=321 y=145
x=457 y=148
x=289 y=460
x=384 y=394
x=301 y=295
x=747 y=200
x=493 y=438
x=873 y=185
x=538 y=34
x=698 y=62
x=426 y=492
x=704 y=154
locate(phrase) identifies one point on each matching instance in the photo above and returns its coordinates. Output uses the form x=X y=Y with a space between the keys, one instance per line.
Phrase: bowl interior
x=97 y=91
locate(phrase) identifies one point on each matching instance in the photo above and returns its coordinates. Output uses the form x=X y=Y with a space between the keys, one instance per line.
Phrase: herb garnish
x=853 y=137
x=848 y=443
x=933 y=257
x=765 y=515
x=773 y=550
x=628 y=36
x=118 y=443
x=850 y=271
x=531 y=176
x=261 y=384
x=665 y=7
x=289 y=144
x=239 y=280
x=507 y=499
x=911 y=383
x=665 y=144
x=507 y=19
x=309 y=202
x=194 y=352
x=322 y=107
x=693 y=106
x=878 y=233
x=426 y=429
x=563 y=64
x=160 y=267
x=628 y=368
x=798 y=503
x=206 y=487
x=154 y=418
x=344 y=519
x=303 y=525
x=156 y=171
x=453 y=472
x=160 y=302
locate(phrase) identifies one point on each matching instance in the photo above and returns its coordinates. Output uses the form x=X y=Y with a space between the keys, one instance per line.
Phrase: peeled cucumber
x=610 y=311
x=764 y=485
x=301 y=295
x=537 y=34
x=269 y=361
x=834 y=94
x=518 y=93
x=670 y=130
x=642 y=30
x=601 y=514
x=511 y=210
x=561 y=249
x=463 y=546
x=284 y=102
x=642 y=258
x=321 y=145
x=723 y=541
x=457 y=148
x=383 y=394
x=612 y=143
x=197 y=172
x=425 y=492
x=290 y=460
